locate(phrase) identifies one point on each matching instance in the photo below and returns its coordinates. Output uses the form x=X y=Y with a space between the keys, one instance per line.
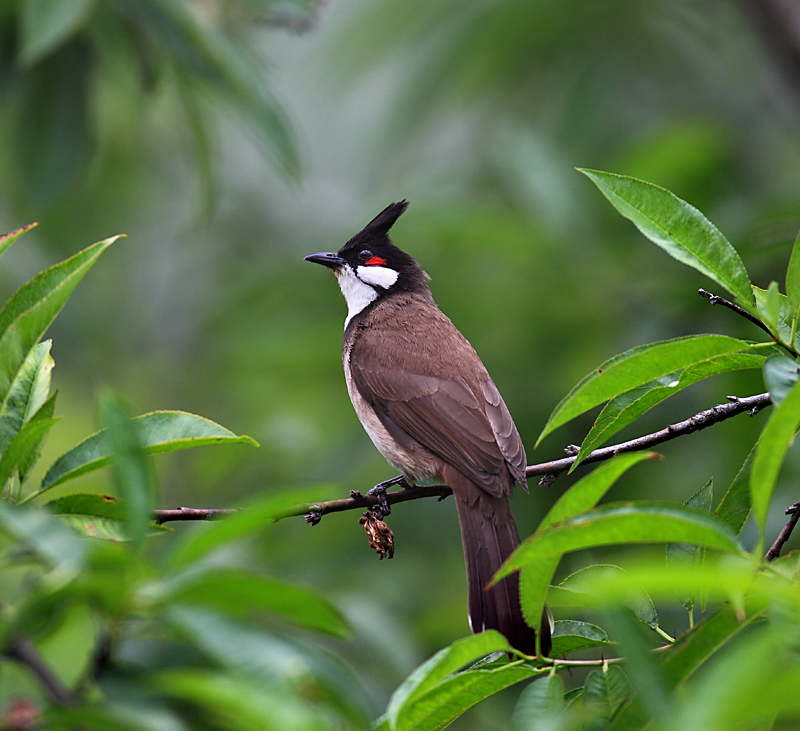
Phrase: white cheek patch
x=377 y=276
x=356 y=293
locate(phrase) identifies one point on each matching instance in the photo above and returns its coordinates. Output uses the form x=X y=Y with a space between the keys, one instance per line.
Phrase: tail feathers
x=489 y=536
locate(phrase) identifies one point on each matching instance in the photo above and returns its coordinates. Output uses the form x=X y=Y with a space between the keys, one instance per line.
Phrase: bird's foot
x=379 y=492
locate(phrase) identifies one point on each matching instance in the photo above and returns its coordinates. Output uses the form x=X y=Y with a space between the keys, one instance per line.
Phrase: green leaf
x=115 y=716
x=233 y=73
x=636 y=367
x=132 y=469
x=29 y=312
x=100 y=506
x=636 y=598
x=781 y=328
x=793 y=277
x=642 y=664
x=700 y=643
x=445 y=662
x=780 y=374
x=612 y=524
x=734 y=507
x=684 y=552
x=240 y=595
x=159 y=431
x=539 y=704
x=771 y=450
x=45 y=536
x=243 y=702
x=605 y=691
x=571 y=635
x=24 y=446
x=440 y=705
x=589 y=490
x=772 y=309
x=678 y=228
x=46 y=24
x=7 y=239
x=582 y=496
x=627 y=407
x=53 y=124
x=96 y=516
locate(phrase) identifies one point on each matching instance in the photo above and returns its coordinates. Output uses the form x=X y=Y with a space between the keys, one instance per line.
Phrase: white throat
x=359 y=287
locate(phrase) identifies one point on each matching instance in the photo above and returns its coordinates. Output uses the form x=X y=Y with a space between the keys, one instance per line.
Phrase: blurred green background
x=229 y=138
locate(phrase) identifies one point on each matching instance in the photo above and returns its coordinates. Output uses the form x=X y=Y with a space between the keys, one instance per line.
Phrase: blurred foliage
x=476 y=112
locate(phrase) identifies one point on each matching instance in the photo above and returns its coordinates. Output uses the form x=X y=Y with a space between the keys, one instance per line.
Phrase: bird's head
x=369 y=266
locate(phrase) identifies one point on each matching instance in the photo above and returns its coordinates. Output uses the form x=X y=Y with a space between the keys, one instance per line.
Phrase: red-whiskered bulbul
x=428 y=404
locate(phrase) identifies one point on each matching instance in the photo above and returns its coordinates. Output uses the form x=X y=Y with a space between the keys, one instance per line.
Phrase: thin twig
x=715 y=299
x=735 y=406
x=24 y=652
x=783 y=536
x=164 y=516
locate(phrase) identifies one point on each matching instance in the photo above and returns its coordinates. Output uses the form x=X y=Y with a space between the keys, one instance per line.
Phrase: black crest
x=377 y=230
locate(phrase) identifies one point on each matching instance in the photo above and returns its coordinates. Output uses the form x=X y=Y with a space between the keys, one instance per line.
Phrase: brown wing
x=404 y=369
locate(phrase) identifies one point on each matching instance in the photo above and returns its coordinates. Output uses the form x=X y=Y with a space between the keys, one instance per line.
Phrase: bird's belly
x=417 y=463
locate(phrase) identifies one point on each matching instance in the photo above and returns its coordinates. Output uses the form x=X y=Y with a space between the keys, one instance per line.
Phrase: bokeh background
x=229 y=138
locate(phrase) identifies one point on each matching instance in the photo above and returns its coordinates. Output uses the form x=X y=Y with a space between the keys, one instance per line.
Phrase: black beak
x=328 y=259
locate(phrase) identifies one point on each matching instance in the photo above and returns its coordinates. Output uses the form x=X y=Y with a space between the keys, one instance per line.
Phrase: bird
x=430 y=407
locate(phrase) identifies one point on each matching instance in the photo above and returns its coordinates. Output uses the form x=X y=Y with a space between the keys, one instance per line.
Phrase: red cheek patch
x=375 y=261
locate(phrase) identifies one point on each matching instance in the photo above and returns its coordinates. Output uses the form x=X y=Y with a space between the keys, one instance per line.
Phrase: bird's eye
x=364 y=254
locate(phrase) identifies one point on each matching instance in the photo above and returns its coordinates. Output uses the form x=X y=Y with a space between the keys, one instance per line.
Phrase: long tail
x=489 y=535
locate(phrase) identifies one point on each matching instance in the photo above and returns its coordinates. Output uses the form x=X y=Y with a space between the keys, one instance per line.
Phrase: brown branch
x=548 y=470
x=714 y=415
x=25 y=653
x=164 y=516
x=783 y=536
x=715 y=299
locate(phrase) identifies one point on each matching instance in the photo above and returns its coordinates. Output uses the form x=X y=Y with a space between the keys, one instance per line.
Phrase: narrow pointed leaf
x=29 y=312
x=636 y=598
x=159 y=431
x=240 y=595
x=793 y=276
x=7 y=239
x=26 y=442
x=46 y=24
x=775 y=440
x=734 y=507
x=30 y=389
x=678 y=228
x=132 y=470
x=539 y=704
x=636 y=367
x=440 y=705
x=605 y=691
x=781 y=328
x=612 y=524
x=582 y=496
x=31 y=456
x=589 y=490
x=780 y=374
x=571 y=635
x=704 y=639
x=443 y=663
x=627 y=407
x=687 y=553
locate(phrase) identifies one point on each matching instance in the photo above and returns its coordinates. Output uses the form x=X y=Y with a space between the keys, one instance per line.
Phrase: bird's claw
x=379 y=493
